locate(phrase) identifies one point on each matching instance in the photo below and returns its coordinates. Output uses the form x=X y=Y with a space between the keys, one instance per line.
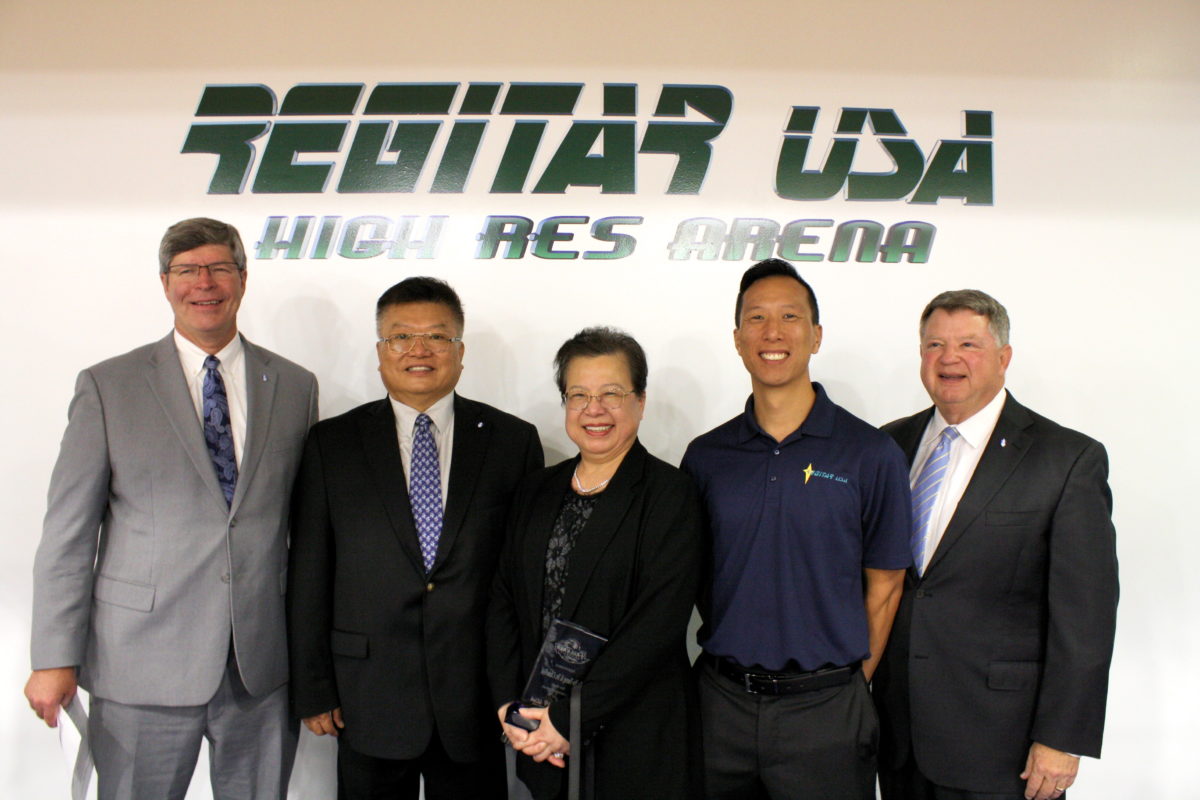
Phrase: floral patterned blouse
x=573 y=515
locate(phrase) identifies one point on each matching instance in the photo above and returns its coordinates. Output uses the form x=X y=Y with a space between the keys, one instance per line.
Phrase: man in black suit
x=388 y=584
x=996 y=676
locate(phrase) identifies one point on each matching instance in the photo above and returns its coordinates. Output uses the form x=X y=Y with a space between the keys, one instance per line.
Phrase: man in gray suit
x=159 y=579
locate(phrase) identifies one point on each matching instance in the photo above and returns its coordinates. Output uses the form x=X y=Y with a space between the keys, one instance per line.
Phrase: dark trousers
x=363 y=777
x=909 y=783
x=818 y=745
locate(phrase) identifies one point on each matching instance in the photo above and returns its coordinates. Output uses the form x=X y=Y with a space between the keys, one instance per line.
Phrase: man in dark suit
x=388 y=584
x=158 y=583
x=996 y=676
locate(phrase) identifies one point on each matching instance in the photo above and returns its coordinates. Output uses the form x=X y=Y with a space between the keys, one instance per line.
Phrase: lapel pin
x=1003 y=442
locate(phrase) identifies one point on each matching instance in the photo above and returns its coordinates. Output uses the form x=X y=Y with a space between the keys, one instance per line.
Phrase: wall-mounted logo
x=552 y=138
x=956 y=168
x=382 y=141
x=385 y=143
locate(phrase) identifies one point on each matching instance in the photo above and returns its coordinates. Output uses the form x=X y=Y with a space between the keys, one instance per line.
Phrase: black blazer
x=399 y=651
x=633 y=575
x=1007 y=638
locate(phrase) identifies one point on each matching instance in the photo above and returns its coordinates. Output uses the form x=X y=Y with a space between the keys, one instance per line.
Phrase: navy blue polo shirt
x=793 y=525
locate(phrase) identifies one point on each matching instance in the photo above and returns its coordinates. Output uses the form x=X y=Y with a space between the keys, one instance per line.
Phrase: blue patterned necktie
x=218 y=431
x=425 y=490
x=925 y=494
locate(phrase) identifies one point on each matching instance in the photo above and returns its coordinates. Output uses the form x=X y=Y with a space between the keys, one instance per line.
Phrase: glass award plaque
x=566 y=656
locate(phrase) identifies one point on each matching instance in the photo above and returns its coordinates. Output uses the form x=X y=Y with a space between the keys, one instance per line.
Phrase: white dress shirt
x=965 y=452
x=233 y=373
x=441 y=418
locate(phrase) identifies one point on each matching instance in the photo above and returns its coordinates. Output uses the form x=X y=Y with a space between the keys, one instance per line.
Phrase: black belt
x=779 y=683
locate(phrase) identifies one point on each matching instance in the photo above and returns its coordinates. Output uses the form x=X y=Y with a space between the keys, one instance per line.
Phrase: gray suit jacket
x=144 y=576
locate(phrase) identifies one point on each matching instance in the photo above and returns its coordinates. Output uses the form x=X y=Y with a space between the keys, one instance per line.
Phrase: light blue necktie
x=925 y=494
x=218 y=432
x=425 y=490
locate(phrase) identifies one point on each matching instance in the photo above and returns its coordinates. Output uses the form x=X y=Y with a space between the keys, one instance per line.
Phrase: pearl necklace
x=596 y=488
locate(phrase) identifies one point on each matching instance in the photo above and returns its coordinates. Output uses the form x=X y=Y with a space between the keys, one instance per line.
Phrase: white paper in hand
x=73 y=739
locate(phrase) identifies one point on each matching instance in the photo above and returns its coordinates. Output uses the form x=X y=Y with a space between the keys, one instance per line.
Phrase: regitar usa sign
x=344 y=137
x=444 y=139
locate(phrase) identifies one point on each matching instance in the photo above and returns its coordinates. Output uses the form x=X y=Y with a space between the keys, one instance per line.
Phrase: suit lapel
x=997 y=463
x=261 y=379
x=602 y=526
x=471 y=437
x=377 y=433
x=908 y=434
x=169 y=386
x=546 y=505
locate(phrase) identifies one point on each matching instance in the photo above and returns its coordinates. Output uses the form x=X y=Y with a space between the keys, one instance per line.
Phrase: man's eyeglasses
x=222 y=270
x=402 y=343
x=578 y=401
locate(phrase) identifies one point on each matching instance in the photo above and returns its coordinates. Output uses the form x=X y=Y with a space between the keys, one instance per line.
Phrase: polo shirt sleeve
x=887 y=510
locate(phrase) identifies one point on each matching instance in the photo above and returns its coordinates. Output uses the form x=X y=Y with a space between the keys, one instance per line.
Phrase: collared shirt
x=441 y=418
x=233 y=374
x=794 y=523
x=965 y=452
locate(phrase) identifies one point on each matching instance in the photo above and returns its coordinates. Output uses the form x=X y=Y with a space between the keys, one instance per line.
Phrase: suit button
x=924 y=593
x=429 y=586
x=225 y=578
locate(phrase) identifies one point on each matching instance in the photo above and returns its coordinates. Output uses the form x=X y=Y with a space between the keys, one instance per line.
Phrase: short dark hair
x=971 y=300
x=196 y=232
x=602 y=341
x=769 y=269
x=421 y=289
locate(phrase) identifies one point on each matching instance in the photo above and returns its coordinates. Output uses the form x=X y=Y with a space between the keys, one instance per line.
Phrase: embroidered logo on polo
x=809 y=472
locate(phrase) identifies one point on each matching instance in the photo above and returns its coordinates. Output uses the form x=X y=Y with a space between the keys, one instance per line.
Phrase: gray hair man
x=159 y=577
x=996 y=676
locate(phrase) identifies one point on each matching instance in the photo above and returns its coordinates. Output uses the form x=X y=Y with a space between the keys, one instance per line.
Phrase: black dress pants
x=909 y=783
x=363 y=777
x=818 y=744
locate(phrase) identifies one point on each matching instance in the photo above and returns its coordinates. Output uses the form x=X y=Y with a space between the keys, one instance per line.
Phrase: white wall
x=1089 y=243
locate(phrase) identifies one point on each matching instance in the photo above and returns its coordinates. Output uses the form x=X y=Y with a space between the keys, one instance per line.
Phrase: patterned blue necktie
x=925 y=494
x=425 y=490
x=218 y=431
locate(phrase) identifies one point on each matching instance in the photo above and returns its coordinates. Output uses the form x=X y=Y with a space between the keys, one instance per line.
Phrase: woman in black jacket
x=611 y=540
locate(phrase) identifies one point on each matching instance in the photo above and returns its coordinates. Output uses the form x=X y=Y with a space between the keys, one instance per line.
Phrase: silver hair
x=972 y=300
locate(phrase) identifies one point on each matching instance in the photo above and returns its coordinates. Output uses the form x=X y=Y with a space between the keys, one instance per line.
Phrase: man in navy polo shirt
x=809 y=514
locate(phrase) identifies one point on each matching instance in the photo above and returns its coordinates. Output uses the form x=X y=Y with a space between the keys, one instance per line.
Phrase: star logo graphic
x=808 y=471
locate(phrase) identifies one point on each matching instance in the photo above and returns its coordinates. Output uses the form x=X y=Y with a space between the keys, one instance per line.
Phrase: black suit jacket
x=632 y=577
x=1007 y=638
x=397 y=650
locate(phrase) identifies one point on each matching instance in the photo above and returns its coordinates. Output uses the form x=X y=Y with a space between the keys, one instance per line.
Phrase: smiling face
x=776 y=335
x=205 y=308
x=962 y=365
x=602 y=434
x=420 y=377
